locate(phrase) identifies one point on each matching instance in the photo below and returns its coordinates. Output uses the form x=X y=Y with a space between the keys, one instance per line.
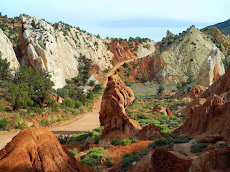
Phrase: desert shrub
x=4 y=68
x=142 y=116
x=133 y=139
x=73 y=152
x=62 y=139
x=128 y=159
x=159 y=142
x=116 y=141
x=1 y=108
x=141 y=152
x=4 y=123
x=90 y=95
x=125 y=142
x=98 y=88
x=83 y=99
x=100 y=129
x=84 y=136
x=68 y=102
x=198 y=147
x=118 y=70
x=179 y=86
x=109 y=163
x=183 y=153
x=78 y=104
x=222 y=145
x=125 y=65
x=161 y=89
x=93 y=157
x=92 y=83
x=144 y=79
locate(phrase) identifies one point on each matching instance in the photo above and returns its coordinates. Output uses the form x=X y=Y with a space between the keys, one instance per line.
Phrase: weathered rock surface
x=161 y=161
x=212 y=138
x=211 y=69
x=7 y=51
x=56 y=48
x=196 y=92
x=169 y=34
x=37 y=149
x=214 y=160
x=212 y=116
x=165 y=110
x=184 y=55
x=117 y=96
x=149 y=132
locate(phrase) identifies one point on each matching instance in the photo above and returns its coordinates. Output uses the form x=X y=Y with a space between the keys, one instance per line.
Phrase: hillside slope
x=224 y=27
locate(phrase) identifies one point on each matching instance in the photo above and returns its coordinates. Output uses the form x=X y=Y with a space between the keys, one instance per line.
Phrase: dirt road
x=87 y=122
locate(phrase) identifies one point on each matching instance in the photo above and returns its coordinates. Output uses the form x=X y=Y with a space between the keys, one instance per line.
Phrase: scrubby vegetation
x=117 y=141
x=93 y=157
x=197 y=148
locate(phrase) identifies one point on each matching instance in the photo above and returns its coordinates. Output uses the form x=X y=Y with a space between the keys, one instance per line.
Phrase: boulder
x=37 y=149
x=149 y=132
x=117 y=96
x=212 y=138
x=161 y=161
x=160 y=109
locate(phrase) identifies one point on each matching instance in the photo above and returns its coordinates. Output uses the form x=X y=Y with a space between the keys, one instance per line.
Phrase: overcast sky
x=124 y=18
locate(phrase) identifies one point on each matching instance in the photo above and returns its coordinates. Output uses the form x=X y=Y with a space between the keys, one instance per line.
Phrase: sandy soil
x=87 y=122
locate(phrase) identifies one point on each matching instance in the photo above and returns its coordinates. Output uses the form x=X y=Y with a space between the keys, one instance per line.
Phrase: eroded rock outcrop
x=113 y=117
x=7 y=51
x=57 y=48
x=149 y=132
x=161 y=109
x=37 y=149
x=161 y=161
x=211 y=69
x=196 y=92
x=212 y=116
x=214 y=160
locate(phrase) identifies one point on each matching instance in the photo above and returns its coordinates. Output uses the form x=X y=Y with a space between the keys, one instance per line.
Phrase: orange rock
x=57 y=99
x=161 y=161
x=196 y=92
x=117 y=96
x=37 y=149
x=159 y=109
x=212 y=138
x=150 y=132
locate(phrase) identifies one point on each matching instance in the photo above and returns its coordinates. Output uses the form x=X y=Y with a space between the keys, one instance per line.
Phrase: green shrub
x=83 y=99
x=93 y=157
x=73 y=152
x=78 y=104
x=128 y=159
x=133 y=139
x=125 y=142
x=159 y=142
x=100 y=129
x=179 y=86
x=4 y=123
x=79 y=137
x=118 y=70
x=116 y=141
x=62 y=139
x=183 y=153
x=161 y=89
x=125 y=65
x=198 y=147
x=92 y=83
x=142 y=152
x=1 y=108
x=222 y=145
x=68 y=102
x=109 y=163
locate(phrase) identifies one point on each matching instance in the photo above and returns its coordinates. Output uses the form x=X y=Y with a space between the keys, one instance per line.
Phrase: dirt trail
x=87 y=122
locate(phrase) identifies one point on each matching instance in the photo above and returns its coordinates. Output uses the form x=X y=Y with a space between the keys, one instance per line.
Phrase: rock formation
x=161 y=161
x=37 y=149
x=212 y=138
x=149 y=132
x=7 y=51
x=211 y=69
x=169 y=34
x=214 y=160
x=212 y=116
x=160 y=109
x=195 y=92
x=113 y=117
x=56 y=48
x=183 y=56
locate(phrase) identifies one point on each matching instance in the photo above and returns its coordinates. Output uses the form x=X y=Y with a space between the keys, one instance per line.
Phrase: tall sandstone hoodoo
x=37 y=149
x=113 y=117
x=117 y=96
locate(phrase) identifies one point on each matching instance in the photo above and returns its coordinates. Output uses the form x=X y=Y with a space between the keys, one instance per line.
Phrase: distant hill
x=224 y=27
